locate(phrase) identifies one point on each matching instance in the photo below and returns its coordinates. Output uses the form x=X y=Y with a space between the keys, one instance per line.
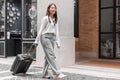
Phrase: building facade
x=88 y=40
x=98 y=29
x=88 y=28
x=66 y=54
x=18 y=26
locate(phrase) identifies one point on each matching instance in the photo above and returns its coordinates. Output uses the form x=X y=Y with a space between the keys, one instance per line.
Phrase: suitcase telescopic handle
x=29 y=50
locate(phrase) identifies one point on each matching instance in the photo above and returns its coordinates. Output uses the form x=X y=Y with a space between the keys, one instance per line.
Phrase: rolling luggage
x=22 y=62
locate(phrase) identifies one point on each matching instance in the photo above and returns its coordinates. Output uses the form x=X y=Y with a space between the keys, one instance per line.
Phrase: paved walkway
x=75 y=72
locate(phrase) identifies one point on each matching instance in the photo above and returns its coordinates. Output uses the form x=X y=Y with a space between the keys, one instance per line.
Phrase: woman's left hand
x=58 y=46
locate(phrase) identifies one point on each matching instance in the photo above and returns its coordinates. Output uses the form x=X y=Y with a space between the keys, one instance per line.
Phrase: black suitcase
x=22 y=62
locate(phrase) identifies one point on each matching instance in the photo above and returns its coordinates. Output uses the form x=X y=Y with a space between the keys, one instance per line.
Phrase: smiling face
x=52 y=9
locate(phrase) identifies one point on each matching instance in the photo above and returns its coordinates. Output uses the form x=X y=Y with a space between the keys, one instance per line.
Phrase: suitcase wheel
x=13 y=73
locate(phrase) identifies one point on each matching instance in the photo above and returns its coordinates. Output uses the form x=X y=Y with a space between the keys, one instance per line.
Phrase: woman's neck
x=52 y=17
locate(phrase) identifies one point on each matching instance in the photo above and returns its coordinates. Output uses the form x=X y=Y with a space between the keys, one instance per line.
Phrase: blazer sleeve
x=43 y=24
x=57 y=35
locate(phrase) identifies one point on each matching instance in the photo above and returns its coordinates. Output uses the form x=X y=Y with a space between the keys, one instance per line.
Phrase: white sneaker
x=61 y=75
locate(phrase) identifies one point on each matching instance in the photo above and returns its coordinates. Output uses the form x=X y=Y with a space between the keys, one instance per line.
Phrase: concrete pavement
x=75 y=72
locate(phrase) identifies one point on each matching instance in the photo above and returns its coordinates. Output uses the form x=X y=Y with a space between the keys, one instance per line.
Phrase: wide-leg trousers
x=48 y=42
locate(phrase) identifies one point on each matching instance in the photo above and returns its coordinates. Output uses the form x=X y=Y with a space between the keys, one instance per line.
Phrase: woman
x=49 y=34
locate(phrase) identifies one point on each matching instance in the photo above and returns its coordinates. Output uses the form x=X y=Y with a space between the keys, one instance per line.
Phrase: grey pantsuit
x=48 y=41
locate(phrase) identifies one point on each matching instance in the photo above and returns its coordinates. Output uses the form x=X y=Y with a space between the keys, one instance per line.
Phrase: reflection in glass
x=26 y=48
x=118 y=20
x=8 y=4
x=107 y=45
x=13 y=8
x=2 y=47
x=14 y=18
x=106 y=3
x=2 y=19
x=30 y=28
x=18 y=13
x=118 y=45
x=107 y=20
x=11 y=14
x=10 y=20
x=118 y=30
x=118 y=2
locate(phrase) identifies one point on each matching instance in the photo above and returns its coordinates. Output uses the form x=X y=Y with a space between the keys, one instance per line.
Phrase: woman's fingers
x=35 y=44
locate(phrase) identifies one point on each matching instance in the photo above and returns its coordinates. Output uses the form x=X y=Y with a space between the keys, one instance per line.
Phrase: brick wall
x=87 y=44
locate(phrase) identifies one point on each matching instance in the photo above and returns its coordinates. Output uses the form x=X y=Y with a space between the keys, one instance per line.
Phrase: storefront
x=20 y=21
x=18 y=26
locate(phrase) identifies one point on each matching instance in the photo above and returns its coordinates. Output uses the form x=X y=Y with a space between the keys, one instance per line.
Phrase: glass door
x=118 y=28
x=30 y=20
x=2 y=28
x=29 y=26
x=109 y=29
x=106 y=29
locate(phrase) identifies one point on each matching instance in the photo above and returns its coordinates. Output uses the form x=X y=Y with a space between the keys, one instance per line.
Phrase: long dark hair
x=48 y=13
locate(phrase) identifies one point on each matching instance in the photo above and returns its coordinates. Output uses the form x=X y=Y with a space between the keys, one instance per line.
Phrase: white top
x=48 y=27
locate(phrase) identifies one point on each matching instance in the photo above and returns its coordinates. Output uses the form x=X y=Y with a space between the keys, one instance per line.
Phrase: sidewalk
x=75 y=72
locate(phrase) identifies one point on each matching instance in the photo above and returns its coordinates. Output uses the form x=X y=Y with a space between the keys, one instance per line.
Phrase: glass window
x=106 y=3
x=107 y=20
x=118 y=30
x=106 y=45
x=30 y=27
x=2 y=48
x=14 y=18
x=118 y=2
x=118 y=19
x=118 y=45
x=108 y=24
x=2 y=19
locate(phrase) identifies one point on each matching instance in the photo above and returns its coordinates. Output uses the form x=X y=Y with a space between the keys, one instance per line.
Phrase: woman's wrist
x=35 y=42
x=58 y=44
